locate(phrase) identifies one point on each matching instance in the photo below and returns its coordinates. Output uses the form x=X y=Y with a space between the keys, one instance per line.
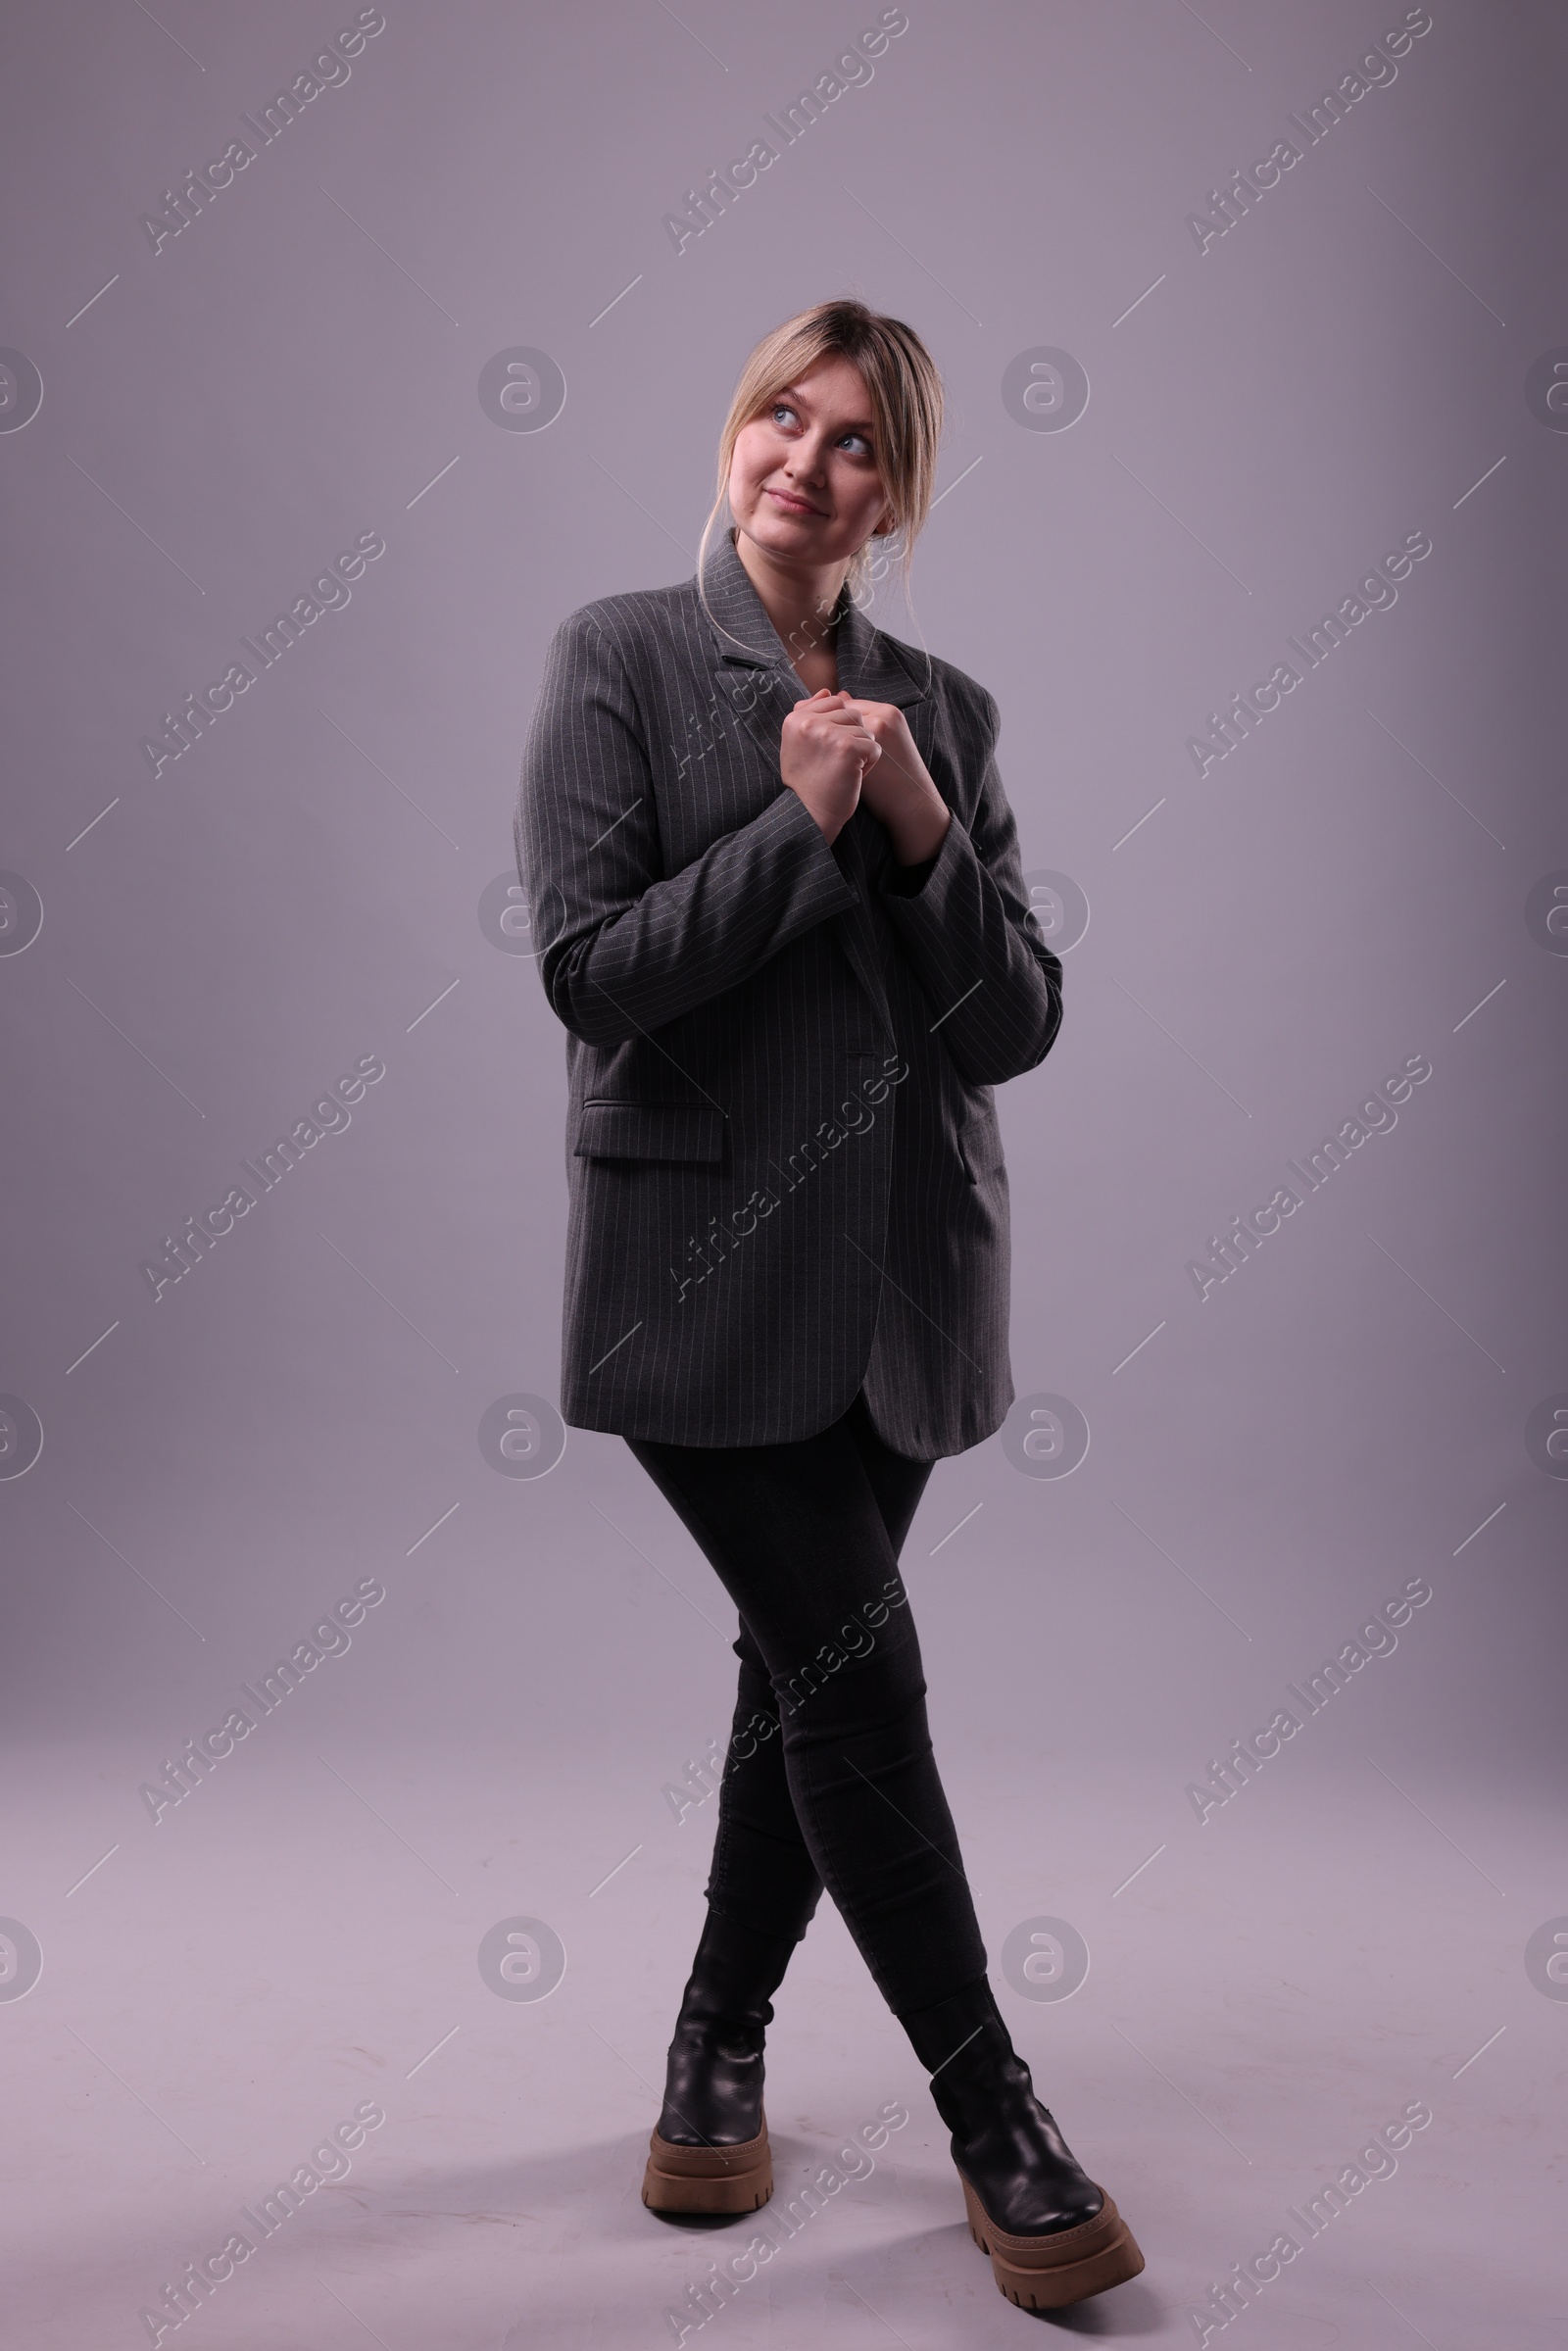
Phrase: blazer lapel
x=753 y=665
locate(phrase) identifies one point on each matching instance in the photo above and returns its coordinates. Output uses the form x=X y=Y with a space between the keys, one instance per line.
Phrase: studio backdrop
x=351 y=1700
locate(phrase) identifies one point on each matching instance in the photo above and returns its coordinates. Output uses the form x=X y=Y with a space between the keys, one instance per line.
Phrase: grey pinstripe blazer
x=783 y=1157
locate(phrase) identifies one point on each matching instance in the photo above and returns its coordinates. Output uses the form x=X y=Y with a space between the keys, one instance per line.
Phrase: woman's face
x=803 y=482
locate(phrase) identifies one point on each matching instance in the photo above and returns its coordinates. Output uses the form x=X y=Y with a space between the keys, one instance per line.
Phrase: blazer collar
x=743 y=635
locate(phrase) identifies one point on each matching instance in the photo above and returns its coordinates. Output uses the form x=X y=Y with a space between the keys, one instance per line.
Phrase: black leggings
x=830 y=1777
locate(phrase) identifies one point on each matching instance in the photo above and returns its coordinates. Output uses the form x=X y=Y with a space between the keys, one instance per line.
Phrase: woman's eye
x=784 y=409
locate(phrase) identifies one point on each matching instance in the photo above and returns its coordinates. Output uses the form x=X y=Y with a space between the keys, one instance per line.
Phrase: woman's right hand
x=825 y=751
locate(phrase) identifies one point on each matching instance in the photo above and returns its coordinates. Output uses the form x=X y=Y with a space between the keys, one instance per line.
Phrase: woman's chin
x=799 y=536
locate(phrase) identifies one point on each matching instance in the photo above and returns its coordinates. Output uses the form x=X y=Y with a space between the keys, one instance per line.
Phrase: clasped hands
x=835 y=750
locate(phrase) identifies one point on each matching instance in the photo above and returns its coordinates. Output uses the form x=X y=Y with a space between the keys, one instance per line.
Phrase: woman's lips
x=794 y=506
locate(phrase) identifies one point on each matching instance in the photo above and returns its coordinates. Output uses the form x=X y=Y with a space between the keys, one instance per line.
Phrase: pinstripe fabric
x=782 y=1152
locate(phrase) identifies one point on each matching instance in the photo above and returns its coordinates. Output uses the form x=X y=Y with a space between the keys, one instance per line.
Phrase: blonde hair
x=905 y=392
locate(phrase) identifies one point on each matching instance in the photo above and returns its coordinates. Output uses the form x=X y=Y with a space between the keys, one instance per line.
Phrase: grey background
x=301 y=365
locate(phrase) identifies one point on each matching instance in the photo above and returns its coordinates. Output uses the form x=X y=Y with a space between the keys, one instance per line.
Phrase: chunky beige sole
x=1045 y=2273
x=712 y=2179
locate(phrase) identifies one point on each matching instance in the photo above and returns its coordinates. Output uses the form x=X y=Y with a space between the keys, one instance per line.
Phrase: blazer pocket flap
x=608 y=1130
x=980 y=1141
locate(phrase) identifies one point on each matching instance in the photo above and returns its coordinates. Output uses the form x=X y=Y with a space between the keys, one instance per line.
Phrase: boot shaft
x=1006 y=2145
x=734 y=1973
x=958 y=2031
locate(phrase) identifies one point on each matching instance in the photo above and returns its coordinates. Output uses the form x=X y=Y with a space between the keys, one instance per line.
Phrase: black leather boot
x=1053 y=2236
x=710 y=2150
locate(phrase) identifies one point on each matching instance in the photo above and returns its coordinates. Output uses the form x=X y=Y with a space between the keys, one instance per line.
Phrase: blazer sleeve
x=624 y=946
x=992 y=984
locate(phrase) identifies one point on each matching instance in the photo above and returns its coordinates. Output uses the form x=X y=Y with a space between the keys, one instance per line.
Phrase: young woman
x=777 y=895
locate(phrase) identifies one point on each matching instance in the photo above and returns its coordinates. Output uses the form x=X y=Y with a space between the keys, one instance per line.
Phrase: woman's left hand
x=896 y=787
